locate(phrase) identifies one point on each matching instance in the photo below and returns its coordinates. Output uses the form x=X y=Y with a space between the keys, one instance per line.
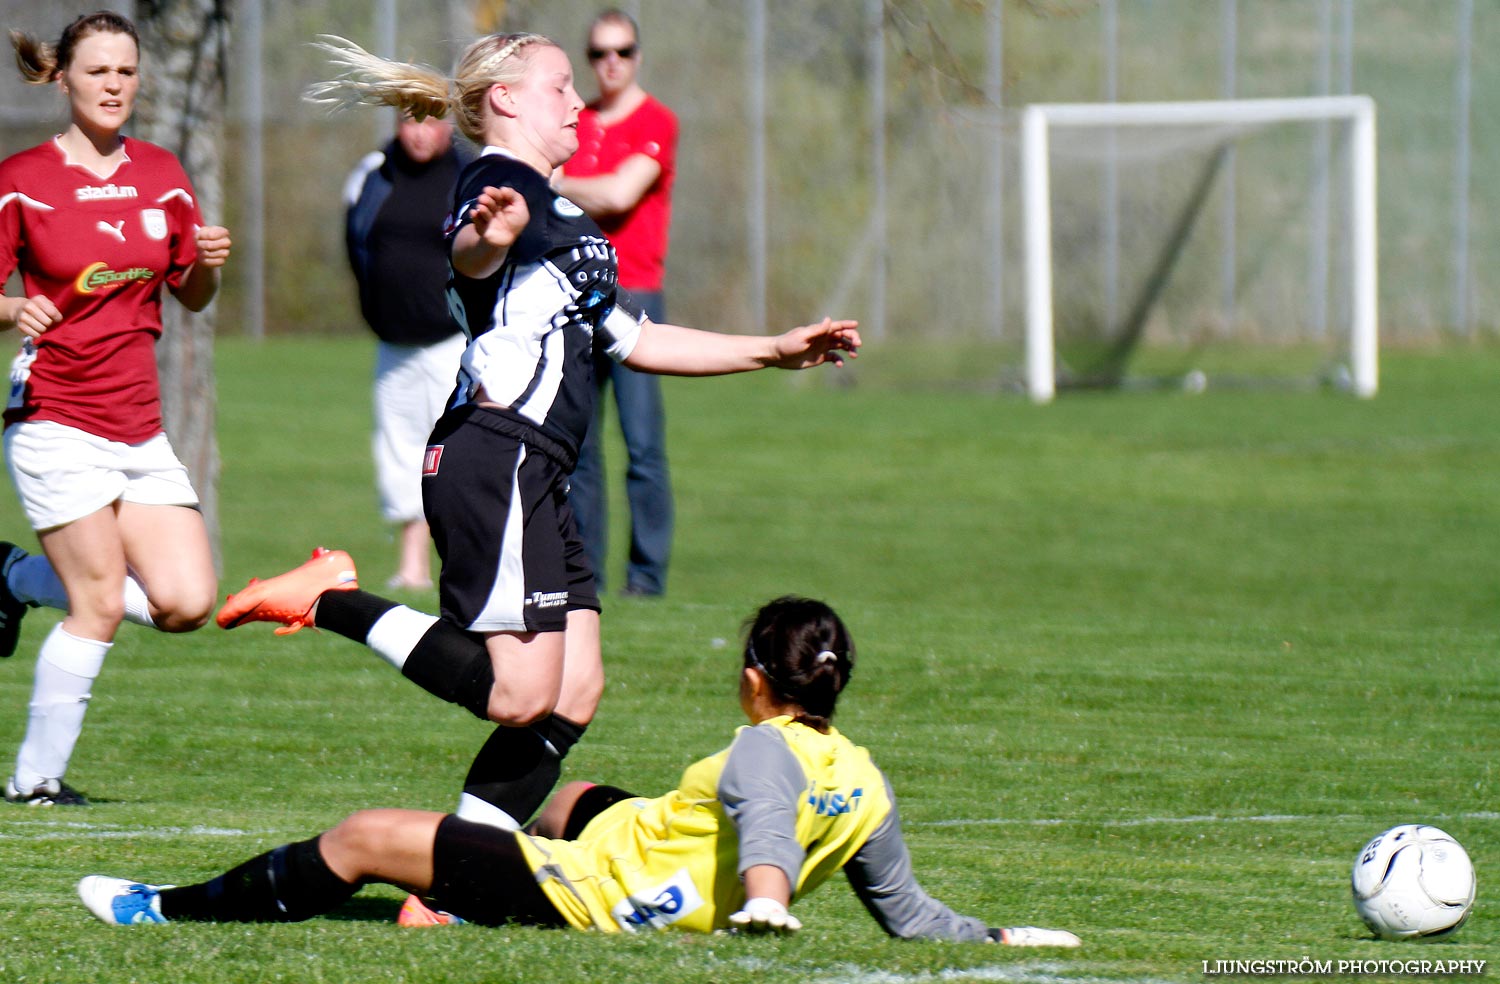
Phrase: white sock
x=479 y=811
x=34 y=581
x=137 y=607
x=396 y=633
x=65 y=672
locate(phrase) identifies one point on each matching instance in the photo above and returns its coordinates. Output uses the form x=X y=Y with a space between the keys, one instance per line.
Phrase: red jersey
x=101 y=249
x=640 y=234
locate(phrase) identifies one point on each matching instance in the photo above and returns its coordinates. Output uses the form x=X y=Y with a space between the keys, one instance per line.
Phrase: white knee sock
x=396 y=633
x=137 y=607
x=473 y=808
x=65 y=673
x=33 y=580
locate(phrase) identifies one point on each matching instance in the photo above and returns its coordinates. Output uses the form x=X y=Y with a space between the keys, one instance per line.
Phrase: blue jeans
x=648 y=486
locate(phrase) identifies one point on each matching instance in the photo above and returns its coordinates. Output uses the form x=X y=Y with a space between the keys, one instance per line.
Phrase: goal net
x=1200 y=244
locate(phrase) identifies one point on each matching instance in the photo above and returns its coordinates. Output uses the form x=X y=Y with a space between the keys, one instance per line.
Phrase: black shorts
x=480 y=874
x=594 y=801
x=498 y=509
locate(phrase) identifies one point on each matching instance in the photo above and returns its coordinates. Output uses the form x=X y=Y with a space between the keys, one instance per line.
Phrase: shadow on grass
x=365 y=910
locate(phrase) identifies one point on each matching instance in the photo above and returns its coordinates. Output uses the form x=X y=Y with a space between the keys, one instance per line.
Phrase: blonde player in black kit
x=533 y=286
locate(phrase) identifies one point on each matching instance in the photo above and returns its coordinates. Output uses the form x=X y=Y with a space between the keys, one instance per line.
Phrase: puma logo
x=116 y=229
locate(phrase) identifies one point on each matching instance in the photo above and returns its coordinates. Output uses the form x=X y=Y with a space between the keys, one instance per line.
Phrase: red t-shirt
x=101 y=249
x=640 y=234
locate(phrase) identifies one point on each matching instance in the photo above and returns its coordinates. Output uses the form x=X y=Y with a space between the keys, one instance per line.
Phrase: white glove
x=763 y=915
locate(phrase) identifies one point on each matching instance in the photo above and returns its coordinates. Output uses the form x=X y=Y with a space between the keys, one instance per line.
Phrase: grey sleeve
x=759 y=788
x=881 y=876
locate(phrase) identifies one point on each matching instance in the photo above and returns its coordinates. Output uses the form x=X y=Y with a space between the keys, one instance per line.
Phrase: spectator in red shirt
x=97 y=223
x=622 y=177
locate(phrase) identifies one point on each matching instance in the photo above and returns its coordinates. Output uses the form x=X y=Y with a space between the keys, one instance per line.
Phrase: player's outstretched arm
x=672 y=350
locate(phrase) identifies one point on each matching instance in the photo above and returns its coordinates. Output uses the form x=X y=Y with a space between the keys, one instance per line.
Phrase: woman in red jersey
x=97 y=224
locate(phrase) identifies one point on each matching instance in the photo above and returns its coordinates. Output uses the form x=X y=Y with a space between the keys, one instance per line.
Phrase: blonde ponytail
x=369 y=80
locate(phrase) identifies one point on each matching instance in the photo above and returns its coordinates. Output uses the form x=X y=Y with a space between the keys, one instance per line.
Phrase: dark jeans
x=648 y=486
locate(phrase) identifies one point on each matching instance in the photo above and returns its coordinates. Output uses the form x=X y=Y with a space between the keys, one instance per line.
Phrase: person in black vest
x=397 y=199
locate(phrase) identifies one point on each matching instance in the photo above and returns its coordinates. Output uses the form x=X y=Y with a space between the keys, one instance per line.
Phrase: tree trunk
x=182 y=108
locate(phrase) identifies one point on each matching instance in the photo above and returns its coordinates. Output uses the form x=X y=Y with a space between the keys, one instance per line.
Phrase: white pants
x=412 y=386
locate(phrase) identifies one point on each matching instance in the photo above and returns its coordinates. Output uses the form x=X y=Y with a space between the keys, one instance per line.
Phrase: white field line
x=1041 y=973
x=1206 y=818
x=37 y=830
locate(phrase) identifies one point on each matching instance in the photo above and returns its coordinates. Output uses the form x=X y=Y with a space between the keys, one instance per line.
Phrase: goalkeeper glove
x=763 y=915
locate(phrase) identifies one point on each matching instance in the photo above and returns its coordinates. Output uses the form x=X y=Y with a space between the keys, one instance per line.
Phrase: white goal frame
x=1041 y=379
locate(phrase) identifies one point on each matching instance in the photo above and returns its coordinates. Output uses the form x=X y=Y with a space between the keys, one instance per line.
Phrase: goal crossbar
x=1039 y=118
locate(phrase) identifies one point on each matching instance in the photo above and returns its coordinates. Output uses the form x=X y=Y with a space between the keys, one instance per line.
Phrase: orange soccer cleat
x=289 y=598
x=415 y=912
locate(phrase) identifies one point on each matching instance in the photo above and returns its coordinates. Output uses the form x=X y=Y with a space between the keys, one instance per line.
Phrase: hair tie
x=826 y=656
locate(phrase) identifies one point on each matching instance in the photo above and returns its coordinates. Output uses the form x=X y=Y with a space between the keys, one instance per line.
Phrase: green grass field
x=1146 y=666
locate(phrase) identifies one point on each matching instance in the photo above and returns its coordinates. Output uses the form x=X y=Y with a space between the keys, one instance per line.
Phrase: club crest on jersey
x=566 y=208
x=155 y=221
x=97 y=276
x=431 y=459
x=659 y=907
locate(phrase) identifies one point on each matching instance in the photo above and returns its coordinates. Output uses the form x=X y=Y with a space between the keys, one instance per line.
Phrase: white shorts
x=63 y=474
x=412 y=386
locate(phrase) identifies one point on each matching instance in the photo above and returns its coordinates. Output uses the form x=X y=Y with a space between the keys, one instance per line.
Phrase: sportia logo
x=98 y=275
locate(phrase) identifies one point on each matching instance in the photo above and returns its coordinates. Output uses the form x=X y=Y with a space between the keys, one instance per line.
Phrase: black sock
x=351 y=613
x=454 y=665
x=446 y=662
x=517 y=767
x=288 y=884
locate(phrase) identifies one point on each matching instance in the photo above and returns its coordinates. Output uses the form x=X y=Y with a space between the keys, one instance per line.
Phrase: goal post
x=1040 y=120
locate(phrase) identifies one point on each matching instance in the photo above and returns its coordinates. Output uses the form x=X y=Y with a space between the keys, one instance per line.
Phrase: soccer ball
x=1413 y=881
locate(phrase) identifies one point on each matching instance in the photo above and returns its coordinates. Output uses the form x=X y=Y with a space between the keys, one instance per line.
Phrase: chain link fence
x=858 y=157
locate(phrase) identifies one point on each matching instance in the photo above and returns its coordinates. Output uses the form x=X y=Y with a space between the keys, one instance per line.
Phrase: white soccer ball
x=1413 y=882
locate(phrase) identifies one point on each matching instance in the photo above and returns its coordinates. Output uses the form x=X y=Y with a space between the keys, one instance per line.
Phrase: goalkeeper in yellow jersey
x=746 y=833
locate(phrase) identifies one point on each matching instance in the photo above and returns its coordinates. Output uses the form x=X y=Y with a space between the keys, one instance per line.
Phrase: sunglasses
x=627 y=52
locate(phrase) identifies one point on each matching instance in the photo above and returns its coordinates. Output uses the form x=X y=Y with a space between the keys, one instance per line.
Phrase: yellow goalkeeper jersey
x=781 y=793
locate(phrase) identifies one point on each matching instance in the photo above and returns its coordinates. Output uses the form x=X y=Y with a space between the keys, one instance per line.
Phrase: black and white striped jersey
x=533 y=324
